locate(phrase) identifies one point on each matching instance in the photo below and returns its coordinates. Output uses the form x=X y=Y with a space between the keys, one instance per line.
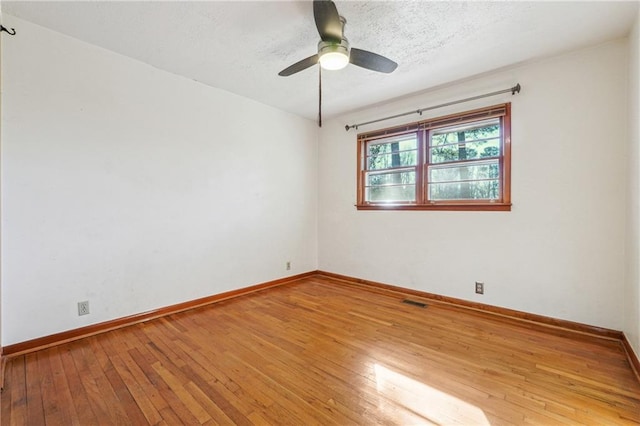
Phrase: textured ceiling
x=241 y=46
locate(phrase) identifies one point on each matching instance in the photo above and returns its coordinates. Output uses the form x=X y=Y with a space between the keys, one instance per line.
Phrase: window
x=457 y=162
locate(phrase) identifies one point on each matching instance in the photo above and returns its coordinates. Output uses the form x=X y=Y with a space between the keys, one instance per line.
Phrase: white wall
x=560 y=252
x=136 y=189
x=632 y=292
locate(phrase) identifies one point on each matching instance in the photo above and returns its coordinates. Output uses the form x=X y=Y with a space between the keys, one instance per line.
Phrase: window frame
x=422 y=130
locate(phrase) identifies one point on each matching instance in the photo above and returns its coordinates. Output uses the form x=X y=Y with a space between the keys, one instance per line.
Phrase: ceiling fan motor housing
x=332 y=55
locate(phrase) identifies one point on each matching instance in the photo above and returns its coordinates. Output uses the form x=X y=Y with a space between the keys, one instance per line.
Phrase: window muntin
x=458 y=162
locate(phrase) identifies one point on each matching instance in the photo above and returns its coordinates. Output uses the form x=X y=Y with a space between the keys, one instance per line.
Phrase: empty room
x=319 y=212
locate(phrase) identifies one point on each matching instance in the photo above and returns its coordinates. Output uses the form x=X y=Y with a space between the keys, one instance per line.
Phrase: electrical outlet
x=479 y=287
x=83 y=308
x=289 y=266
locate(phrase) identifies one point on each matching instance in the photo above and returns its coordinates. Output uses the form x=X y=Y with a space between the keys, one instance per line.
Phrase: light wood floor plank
x=15 y=406
x=321 y=351
x=33 y=377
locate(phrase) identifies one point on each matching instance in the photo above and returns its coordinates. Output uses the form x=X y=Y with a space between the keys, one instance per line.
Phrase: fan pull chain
x=319 y=95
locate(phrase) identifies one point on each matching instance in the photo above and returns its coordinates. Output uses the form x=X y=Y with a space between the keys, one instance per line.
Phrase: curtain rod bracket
x=515 y=89
x=3 y=28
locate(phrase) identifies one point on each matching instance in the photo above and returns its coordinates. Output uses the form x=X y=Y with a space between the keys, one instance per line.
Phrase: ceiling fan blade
x=327 y=20
x=371 y=61
x=299 y=66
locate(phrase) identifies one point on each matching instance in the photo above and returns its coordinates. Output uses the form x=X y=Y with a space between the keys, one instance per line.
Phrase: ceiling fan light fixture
x=333 y=56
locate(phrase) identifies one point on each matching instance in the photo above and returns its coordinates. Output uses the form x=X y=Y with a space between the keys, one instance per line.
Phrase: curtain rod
x=515 y=89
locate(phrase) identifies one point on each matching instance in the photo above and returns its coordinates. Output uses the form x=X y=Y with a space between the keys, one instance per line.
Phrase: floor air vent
x=414 y=303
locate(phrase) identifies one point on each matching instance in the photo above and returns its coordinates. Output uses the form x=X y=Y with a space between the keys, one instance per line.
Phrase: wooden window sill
x=504 y=207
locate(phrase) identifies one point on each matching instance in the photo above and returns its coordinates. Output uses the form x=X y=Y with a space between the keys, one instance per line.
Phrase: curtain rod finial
x=516 y=89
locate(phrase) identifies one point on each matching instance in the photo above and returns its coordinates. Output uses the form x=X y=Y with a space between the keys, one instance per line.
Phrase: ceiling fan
x=334 y=52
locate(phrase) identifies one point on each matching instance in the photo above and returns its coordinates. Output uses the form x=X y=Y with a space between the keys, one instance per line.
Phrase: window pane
x=471 y=171
x=472 y=141
x=405 y=142
x=478 y=190
x=389 y=187
x=398 y=151
x=402 y=193
x=391 y=178
x=467 y=182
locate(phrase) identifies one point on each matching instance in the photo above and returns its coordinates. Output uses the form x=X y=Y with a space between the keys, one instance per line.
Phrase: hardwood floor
x=323 y=352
